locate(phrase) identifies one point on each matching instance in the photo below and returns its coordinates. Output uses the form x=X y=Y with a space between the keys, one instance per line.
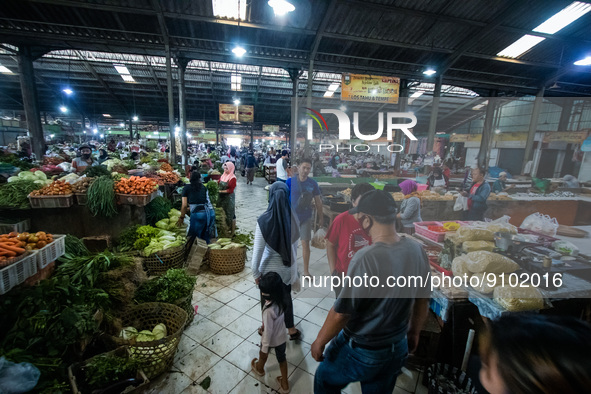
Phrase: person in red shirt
x=345 y=237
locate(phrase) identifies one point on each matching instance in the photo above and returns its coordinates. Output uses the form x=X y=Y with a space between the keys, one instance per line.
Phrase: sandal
x=253 y=367
x=281 y=389
x=260 y=331
x=296 y=336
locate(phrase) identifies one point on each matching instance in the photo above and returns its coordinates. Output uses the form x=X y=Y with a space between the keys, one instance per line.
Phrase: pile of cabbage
x=171 y=222
x=159 y=332
x=37 y=177
x=226 y=243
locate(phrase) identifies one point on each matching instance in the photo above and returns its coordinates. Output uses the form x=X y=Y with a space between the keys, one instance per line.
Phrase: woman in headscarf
x=227 y=199
x=410 y=209
x=275 y=247
x=196 y=202
x=103 y=156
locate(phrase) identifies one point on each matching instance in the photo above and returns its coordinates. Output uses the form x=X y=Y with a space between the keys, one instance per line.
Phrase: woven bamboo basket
x=157 y=356
x=226 y=261
x=160 y=262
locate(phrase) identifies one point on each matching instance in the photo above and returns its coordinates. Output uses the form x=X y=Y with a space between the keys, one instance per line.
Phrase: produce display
x=15 y=194
x=82 y=185
x=213 y=190
x=38 y=177
x=130 y=333
x=96 y=171
x=166 y=167
x=151 y=240
x=158 y=209
x=15 y=161
x=238 y=241
x=101 y=197
x=169 y=177
x=170 y=222
x=499 y=196
x=135 y=185
x=170 y=287
x=105 y=370
x=117 y=176
x=55 y=188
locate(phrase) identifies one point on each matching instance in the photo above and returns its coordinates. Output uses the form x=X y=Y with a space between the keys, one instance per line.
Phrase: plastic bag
x=483 y=261
x=517 y=299
x=318 y=240
x=542 y=224
x=461 y=204
x=501 y=225
x=17 y=378
x=565 y=247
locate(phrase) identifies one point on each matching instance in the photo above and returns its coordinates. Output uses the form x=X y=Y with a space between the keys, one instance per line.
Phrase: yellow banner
x=571 y=137
x=370 y=88
x=196 y=125
x=246 y=113
x=236 y=113
x=270 y=128
x=465 y=138
x=511 y=137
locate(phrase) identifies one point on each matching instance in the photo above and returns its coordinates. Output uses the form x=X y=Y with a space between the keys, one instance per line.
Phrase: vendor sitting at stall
x=103 y=156
x=85 y=160
x=410 y=209
x=500 y=184
x=437 y=180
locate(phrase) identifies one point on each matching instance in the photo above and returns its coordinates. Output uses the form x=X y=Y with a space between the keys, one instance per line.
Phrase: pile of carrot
x=169 y=177
x=166 y=167
x=14 y=244
x=136 y=185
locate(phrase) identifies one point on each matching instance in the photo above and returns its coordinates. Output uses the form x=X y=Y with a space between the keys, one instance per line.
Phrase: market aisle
x=222 y=339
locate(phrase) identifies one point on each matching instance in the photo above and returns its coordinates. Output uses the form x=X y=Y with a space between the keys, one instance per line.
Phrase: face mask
x=362 y=220
x=86 y=156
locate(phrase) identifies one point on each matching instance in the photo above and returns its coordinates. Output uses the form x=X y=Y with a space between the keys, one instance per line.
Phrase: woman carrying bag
x=227 y=197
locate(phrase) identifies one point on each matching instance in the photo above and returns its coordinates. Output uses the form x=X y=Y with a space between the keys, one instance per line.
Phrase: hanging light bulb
x=238 y=51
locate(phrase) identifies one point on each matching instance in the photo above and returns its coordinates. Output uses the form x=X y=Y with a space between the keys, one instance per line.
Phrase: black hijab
x=278 y=225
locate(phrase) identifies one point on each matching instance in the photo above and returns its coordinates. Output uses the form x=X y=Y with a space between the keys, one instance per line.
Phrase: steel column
x=402 y=105
x=487 y=131
x=533 y=126
x=30 y=100
x=434 y=113
x=170 y=96
x=182 y=65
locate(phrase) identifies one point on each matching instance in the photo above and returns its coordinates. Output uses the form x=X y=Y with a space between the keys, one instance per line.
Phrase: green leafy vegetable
x=141 y=243
x=127 y=238
x=157 y=209
x=171 y=287
x=15 y=194
x=147 y=232
x=75 y=246
x=101 y=197
x=96 y=171
x=213 y=189
x=103 y=370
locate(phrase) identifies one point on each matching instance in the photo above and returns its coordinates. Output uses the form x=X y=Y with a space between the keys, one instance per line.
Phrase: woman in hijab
x=227 y=198
x=410 y=209
x=103 y=156
x=275 y=247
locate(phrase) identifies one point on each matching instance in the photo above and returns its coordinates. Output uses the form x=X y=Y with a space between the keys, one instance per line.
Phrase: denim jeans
x=345 y=363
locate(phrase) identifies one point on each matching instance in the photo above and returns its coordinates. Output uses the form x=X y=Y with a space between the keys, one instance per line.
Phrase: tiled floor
x=222 y=339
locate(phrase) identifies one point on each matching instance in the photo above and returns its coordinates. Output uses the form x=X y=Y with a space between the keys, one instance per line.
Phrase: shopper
x=437 y=180
x=317 y=166
x=410 y=208
x=373 y=328
x=196 y=202
x=570 y=182
x=536 y=354
x=275 y=247
x=251 y=167
x=477 y=196
x=500 y=184
x=345 y=237
x=85 y=160
x=281 y=167
x=305 y=194
x=273 y=335
x=112 y=147
x=103 y=156
x=227 y=199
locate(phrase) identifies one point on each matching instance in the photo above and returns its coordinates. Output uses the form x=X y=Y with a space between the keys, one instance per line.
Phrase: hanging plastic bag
x=542 y=224
x=461 y=204
x=318 y=240
x=17 y=378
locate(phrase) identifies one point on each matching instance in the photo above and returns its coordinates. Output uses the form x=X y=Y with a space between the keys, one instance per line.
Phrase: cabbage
x=41 y=175
x=27 y=175
x=159 y=331
x=128 y=333
x=13 y=178
x=174 y=212
x=163 y=224
x=145 y=336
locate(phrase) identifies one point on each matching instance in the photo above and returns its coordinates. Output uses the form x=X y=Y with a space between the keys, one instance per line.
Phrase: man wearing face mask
x=373 y=326
x=85 y=160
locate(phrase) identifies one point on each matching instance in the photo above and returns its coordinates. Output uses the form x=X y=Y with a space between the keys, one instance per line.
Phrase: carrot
x=8 y=253
x=12 y=248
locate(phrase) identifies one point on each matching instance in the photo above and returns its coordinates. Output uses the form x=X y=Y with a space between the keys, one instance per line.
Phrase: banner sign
x=571 y=137
x=246 y=113
x=196 y=125
x=370 y=88
x=270 y=128
x=236 y=113
x=465 y=138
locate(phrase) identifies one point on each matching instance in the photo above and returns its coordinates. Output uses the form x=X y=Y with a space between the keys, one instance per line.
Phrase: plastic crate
x=16 y=273
x=51 y=252
x=20 y=226
x=81 y=198
x=64 y=201
x=421 y=228
x=140 y=200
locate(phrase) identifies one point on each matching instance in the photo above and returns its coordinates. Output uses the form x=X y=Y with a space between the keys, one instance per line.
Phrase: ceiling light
x=84 y=131
x=334 y=86
x=428 y=72
x=127 y=78
x=328 y=93
x=102 y=136
x=583 y=62
x=121 y=69
x=63 y=109
x=121 y=124
x=5 y=70
x=481 y=105
x=234 y=131
x=564 y=17
x=237 y=101
x=51 y=135
x=498 y=131
x=68 y=91
x=155 y=133
x=238 y=51
x=202 y=131
x=135 y=118
x=236 y=82
x=188 y=135
x=229 y=8
x=177 y=129
x=416 y=94
x=109 y=131
x=303 y=122
x=281 y=7
x=106 y=115
x=521 y=46
x=109 y=128
x=95 y=130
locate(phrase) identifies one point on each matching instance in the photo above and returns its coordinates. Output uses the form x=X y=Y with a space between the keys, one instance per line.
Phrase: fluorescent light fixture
x=127 y=78
x=121 y=124
x=68 y=91
x=84 y=131
x=428 y=72
x=95 y=130
x=521 y=46
x=481 y=105
x=416 y=94
x=238 y=51
x=135 y=118
x=5 y=70
x=498 y=131
x=237 y=101
x=121 y=69
x=333 y=87
x=202 y=131
x=281 y=7
x=64 y=109
x=109 y=128
x=234 y=131
x=155 y=133
x=583 y=62
x=328 y=93
x=229 y=8
x=303 y=122
x=236 y=82
x=564 y=17
x=106 y=115
x=272 y=142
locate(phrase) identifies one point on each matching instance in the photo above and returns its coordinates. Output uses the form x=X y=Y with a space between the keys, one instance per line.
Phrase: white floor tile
x=226 y=280
x=301 y=308
x=186 y=345
x=224 y=377
x=253 y=292
x=309 y=331
x=301 y=382
x=202 y=330
x=353 y=388
x=223 y=342
x=207 y=306
x=255 y=312
x=207 y=286
x=327 y=303
x=173 y=382
x=244 y=284
x=250 y=385
x=317 y=316
x=225 y=295
x=244 y=326
x=198 y=296
x=407 y=380
x=242 y=355
x=197 y=362
x=243 y=303
x=308 y=364
x=398 y=390
x=255 y=339
x=224 y=316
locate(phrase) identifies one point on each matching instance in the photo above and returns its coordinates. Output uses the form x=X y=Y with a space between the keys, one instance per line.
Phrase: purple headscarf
x=408 y=187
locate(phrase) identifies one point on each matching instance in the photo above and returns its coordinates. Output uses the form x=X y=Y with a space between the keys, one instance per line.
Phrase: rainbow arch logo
x=316 y=115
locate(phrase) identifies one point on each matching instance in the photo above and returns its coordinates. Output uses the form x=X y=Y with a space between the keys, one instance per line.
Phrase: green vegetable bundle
x=101 y=197
x=96 y=171
x=14 y=194
x=127 y=238
x=105 y=370
x=16 y=161
x=213 y=189
x=171 y=287
x=75 y=246
x=157 y=210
